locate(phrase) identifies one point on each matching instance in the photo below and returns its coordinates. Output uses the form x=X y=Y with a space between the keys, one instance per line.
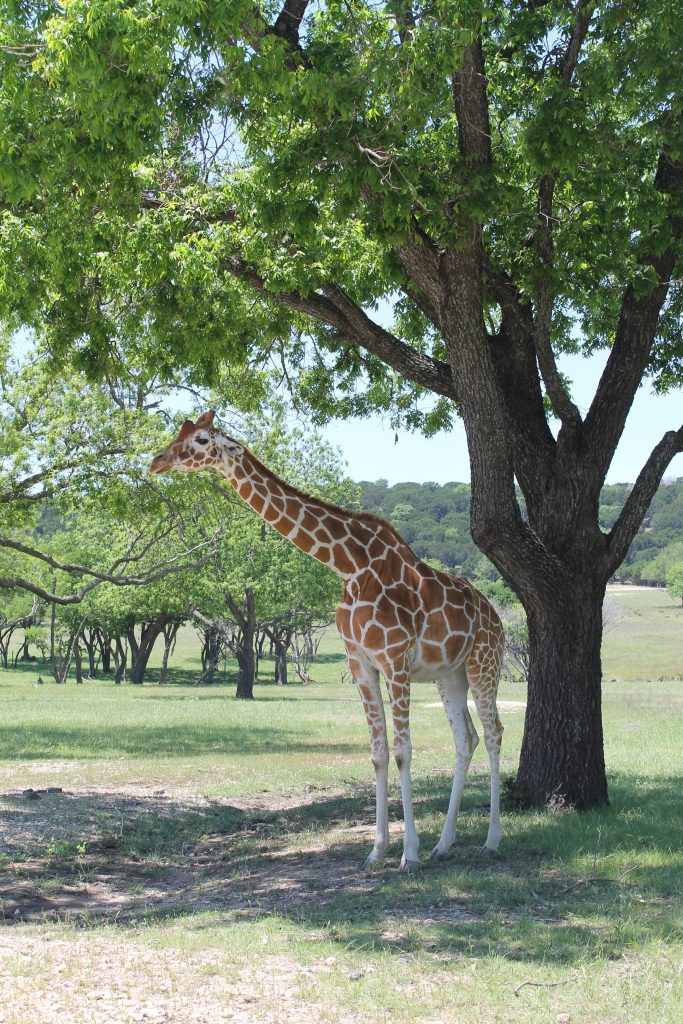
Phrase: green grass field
x=199 y=858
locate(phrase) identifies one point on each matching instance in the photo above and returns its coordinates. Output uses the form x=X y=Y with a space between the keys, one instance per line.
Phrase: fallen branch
x=543 y=984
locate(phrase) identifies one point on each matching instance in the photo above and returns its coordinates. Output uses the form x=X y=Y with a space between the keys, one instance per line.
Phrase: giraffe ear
x=206 y=419
x=187 y=428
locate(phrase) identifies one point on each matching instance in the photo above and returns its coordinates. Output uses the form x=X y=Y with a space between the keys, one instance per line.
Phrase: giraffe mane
x=348 y=513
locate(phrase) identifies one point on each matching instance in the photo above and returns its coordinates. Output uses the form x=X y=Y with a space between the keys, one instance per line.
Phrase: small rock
x=563 y=1018
x=31 y=794
x=356 y=975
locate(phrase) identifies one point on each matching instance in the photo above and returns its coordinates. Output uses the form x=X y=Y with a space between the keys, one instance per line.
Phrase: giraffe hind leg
x=483 y=672
x=398 y=686
x=453 y=691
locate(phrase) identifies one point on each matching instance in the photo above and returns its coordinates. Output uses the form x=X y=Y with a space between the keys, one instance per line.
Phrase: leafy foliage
x=674 y=579
x=152 y=152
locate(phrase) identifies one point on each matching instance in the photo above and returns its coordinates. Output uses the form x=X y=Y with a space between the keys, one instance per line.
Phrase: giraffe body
x=398 y=617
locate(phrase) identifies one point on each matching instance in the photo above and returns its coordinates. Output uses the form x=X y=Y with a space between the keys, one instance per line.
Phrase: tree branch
x=333 y=308
x=562 y=405
x=288 y=22
x=624 y=530
x=564 y=408
x=471 y=105
x=19 y=489
x=419 y=258
x=117 y=579
x=151 y=201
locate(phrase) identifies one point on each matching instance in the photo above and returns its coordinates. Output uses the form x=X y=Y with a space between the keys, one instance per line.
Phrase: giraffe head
x=198 y=446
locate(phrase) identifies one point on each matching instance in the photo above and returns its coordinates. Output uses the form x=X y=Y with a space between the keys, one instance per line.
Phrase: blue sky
x=369 y=448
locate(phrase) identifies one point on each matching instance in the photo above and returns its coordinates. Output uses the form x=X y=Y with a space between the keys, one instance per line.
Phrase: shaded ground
x=91 y=853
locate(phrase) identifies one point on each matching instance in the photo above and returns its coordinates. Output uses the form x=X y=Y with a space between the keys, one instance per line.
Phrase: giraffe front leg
x=398 y=685
x=367 y=681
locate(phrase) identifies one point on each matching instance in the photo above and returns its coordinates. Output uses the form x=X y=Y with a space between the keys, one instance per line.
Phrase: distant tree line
x=435 y=520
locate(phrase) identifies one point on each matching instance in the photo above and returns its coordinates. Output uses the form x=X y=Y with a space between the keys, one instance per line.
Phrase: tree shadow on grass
x=94 y=742
x=565 y=889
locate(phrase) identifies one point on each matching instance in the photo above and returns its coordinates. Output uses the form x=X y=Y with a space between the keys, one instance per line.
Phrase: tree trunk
x=78 y=661
x=90 y=644
x=170 y=632
x=212 y=646
x=22 y=653
x=259 y=644
x=141 y=649
x=244 y=616
x=562 y=760
x=120 y=652
x=105 y=643
x=245 y=673
x=280 y=664
x=246 y=660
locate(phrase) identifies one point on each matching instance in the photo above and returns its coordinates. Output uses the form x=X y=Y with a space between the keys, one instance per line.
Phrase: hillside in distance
x=434 y=519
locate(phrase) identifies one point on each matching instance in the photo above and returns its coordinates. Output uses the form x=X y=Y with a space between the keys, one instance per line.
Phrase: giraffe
x=398 y=617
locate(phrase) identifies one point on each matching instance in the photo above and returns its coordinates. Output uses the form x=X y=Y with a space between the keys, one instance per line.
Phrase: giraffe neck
x=320 y=530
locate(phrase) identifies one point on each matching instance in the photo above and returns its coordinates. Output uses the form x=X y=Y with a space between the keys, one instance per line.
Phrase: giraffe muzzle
x=160 y=464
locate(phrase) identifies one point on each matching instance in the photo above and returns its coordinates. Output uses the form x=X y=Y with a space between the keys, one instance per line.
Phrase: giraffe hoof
x=407 y=867
x=488 y=854
x=372 y=862
x=438 y=854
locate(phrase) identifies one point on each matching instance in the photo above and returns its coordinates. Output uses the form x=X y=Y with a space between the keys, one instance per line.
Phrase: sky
x=371 y=453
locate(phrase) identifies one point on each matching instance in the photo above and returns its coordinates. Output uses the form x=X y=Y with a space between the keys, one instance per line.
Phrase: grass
x=203 y=860
x=645 y=639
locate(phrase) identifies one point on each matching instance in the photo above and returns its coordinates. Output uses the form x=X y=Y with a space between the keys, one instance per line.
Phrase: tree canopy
x=293 y=166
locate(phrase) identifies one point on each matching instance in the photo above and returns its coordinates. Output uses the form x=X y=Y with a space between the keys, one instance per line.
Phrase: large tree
x=244 y=181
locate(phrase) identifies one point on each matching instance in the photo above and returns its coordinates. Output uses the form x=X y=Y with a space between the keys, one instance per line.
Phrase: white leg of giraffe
x=398 y=685
x=367 y=681
x=487 y=710
x=453 y=690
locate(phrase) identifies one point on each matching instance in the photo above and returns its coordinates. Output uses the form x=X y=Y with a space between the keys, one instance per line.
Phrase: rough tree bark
x=562 y=760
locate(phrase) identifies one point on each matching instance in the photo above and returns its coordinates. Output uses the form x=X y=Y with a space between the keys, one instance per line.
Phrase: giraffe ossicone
x=398 y=618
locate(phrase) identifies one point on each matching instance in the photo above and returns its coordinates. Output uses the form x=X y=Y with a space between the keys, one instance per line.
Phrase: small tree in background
x=674 y=580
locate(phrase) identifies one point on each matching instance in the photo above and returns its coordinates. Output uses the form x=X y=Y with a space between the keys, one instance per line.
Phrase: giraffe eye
x=202 y=440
